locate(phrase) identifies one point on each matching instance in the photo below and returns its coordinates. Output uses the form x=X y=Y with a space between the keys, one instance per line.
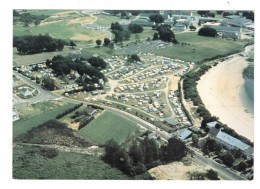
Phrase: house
x=98 y=92
x=183 y=134
x=154 y=136
x=223 y=29
x=90 y=111
x=179 y=27
x=239 y=21
x=15 y=115
x=212 y=124
x=230 y=35
x=145 y=15
x=74 y=74
x=231 y=142
x=25 y=92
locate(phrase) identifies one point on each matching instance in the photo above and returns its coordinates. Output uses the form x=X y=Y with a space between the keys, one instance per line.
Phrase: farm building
x=98 y=92
x=90 y=111
x=183 y=134
x=143 y=23
x=236 y=20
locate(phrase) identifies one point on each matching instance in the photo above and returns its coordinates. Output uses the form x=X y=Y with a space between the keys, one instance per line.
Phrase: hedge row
x=69 y=111
x=84 y=122
x=30 y=77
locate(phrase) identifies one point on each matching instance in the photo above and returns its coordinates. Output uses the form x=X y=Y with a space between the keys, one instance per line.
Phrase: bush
x=210 y=32
x=212 y=175
x=49 y=152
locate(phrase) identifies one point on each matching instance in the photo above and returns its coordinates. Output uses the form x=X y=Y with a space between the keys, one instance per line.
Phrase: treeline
x=97 y=62
x=164 y=33
x=27 y=18
x=66 y=112
x=37 y=44
x=143 y=155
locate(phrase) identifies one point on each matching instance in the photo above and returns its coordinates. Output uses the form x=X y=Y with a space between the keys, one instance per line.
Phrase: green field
x=105 y=20
x=107 y=126
x=45 y=12
x=22 y=126
x=29 y=164
x=200 y=47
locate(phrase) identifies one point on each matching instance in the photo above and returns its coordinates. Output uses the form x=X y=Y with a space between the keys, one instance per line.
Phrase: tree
x=106 y=42
x=212 y=175
x=195 y=139
x=134 y=58
x=228 y=159
x=210 y=32
x=98 y=42
x=72 y=44
x=155 y=36
x=135 y=28
x=48 y=83
x=241 y=166
x=136 y=153
x=203 y=13
x=174 y=151
x=157 y=18
x=192 y=27
x=220 y=12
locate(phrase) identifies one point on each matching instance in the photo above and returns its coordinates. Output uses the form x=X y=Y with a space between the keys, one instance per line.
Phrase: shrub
x=49 y=152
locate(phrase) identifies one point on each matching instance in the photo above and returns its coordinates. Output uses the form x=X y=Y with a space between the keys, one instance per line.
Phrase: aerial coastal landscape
x=133 y=94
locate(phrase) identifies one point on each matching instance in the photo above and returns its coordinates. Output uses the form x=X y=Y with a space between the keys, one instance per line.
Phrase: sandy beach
x=219 y=90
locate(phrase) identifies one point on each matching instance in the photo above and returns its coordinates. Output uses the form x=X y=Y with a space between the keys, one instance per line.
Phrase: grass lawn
x=107 y=126
x=200 y=47
x=101 y=51
x=40 y=57
x=29 y=164
x=105 y=20
x=22 y=126
x=46 y=12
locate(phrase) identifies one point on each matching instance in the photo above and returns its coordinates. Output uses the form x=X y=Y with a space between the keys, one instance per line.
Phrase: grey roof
x=144 y=23
x=213 y=132
x=177 y=12
x=89 y=110
x=171 y=122
x=232 y=16
x=224 y=28
x=212 y=124
x=232 y=140
x=182 y=133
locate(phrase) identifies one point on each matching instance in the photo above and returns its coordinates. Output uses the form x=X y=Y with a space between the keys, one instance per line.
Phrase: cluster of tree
x=164 y=33
x=144 y=155
x=206 y=14
x=206 y=31
x=66 y=112
x=63 y=65
x=28 y=18
x=37 y=44
x=211 y=146
x=134 y=58
x=26 y=74
x=219 y=12
x=135 y=28
x=97 y=62
x=192 y=27
x=249 y=15
x=120 y=33
x=210 y=174
x=157 y=18
x=49 y=152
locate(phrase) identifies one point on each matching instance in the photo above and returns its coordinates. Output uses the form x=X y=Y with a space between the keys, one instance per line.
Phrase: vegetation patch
x=22 y=126
x=32 y=163
x=53 y=132
x=107 y=126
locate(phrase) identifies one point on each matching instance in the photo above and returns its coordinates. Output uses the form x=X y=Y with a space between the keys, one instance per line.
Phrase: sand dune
x=219 y=90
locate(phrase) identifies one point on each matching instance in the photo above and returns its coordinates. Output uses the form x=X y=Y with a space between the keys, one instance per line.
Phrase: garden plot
x=153 y=103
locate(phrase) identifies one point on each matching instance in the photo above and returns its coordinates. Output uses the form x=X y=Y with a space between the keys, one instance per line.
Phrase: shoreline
x=220 y=91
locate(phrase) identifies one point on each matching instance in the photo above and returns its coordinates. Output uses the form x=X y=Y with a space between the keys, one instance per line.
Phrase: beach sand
x=219 y=90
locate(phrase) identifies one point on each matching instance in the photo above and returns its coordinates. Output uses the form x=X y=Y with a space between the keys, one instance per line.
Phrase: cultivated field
x=107 y=126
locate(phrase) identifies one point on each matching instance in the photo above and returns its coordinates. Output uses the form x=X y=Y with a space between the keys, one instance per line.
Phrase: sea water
x=247 y=95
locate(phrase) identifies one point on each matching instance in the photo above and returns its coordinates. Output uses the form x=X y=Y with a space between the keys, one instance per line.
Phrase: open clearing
x=200 y=47
x=22 y=126
x=107 y=126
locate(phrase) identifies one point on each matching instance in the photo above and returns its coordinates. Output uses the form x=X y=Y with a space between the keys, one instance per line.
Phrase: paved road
x=224 y=173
